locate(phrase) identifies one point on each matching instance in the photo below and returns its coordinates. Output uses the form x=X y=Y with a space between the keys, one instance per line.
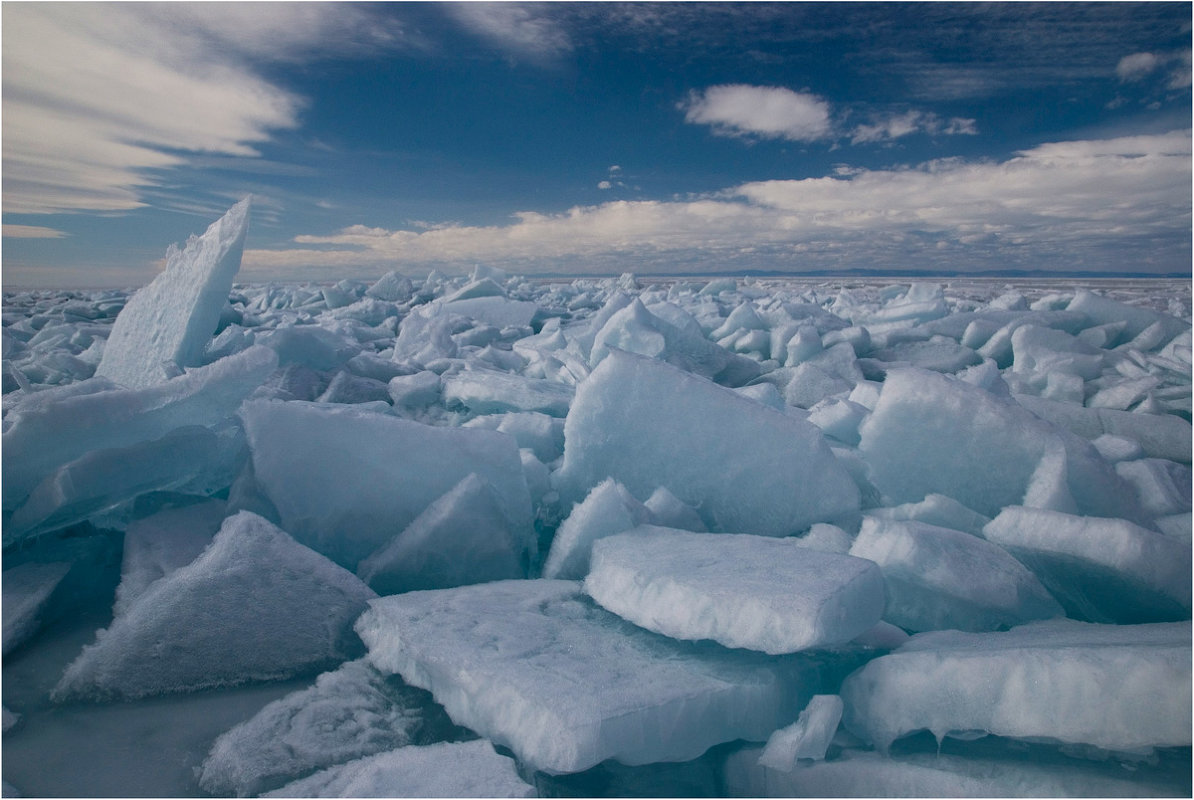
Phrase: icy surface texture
x=939 y=578
x=349 y=713
x=46 y=436
x=753 y=592
x=172 y=319
x=808 y=737
x=463 y=537
x=1159 y=435
x=632 y=420
x=933 y=434
x=606 y=510
x=451 y=769
x=1117 y=687
x=539 y=668
x=201 y=626
x=1101 y=570
x=868 y=774
x=27 y=589
x=346 y=482
x=157 y=545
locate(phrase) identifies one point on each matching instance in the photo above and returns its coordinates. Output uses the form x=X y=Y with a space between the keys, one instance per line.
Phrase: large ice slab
x=930 y=433
x=1116 y=687
x=43 y=437
x=172 y=319
x=1101 y=570
x=753 y=592
x=345 y=482
x=351 y=712
x=538 y=667
x=746 y=468
x=256 y=605
x=448 y=769
x=941 y=578
x=463 y=537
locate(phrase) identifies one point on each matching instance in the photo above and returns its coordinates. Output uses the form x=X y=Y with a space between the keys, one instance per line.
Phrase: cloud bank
x=1110 y=204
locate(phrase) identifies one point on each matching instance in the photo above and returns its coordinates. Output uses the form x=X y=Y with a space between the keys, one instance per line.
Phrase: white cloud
x=769 y=112
x=514 y=28
x=893 y=126
x=32 y=232
x=604 y=185
x=98 y=97
x=1066 y=205
x=1136 y=66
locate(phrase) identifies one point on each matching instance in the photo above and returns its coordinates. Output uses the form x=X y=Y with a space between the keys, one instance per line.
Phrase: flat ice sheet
x=1117 y=687
x=753 y=592
x=538 y=667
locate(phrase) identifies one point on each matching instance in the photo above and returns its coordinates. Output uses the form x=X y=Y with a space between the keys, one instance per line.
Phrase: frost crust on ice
x=753 y=592
x=172 y=319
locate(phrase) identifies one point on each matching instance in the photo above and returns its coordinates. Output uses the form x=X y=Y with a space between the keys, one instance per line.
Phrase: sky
x=595 y=138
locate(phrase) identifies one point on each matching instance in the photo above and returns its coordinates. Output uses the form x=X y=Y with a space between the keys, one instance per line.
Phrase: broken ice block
x=606 y=510
x=1102 y=570
x=173 y=318
x=255 y=606
x=1117 y=687
x=1160 y=435
x=483 y=391
x=940 y=578
x=27 y=589
x=746 y=468
x=461 y=538
x=345 y=482
x=753 y=592
x=447 y=769
x=538 y=667
x=808 y=737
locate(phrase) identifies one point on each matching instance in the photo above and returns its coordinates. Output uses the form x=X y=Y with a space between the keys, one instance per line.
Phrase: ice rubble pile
x=604 y=526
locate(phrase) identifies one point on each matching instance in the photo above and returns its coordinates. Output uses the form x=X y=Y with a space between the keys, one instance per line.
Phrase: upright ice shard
x=172 y=319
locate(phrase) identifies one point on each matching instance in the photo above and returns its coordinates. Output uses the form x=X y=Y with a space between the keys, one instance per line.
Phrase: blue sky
x=577 y=138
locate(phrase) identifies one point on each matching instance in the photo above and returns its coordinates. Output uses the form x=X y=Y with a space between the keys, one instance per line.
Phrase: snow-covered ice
x=753 y=592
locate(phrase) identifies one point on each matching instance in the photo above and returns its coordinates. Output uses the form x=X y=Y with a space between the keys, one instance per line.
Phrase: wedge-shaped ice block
x=46 y=436
x=869 y=774
x=746 y=468
x=256 y=605
x=930 y=433
x=808 y=737
x=606 y=510
x=1101 y=570
x=174 y=317
x=1116 y=687
x=753 y=592
x=27 y=589
x=350 y=712
x=940 y=578
x=538 y=667
x=345 y=482
x=461 y=538
x=448 y=769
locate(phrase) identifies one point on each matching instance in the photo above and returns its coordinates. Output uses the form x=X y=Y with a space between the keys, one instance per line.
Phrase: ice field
x=498 y=536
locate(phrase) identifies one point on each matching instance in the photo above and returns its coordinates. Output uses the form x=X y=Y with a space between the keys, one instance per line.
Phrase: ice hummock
x=537 y=667
x=752 y=592
x=171 y=320
x=201 y=626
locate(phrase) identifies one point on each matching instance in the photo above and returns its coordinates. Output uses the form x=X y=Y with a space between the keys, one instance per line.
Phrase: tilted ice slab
x=538 y=667
x=933 y=434
x=256 y=605
x=27 y=589
x=941 y=578
x=808 y=737
x=870 y=774
x=753 y=592
x=1102 y=570
x=1160 y=435
x=484 y=391
x=174 y=317
x=606 y=510
x=463 y=537
x=345 y=482
x=349 y=713
x=46 y=436
x=744 y=467
x=448 y=769
x=1117 y=687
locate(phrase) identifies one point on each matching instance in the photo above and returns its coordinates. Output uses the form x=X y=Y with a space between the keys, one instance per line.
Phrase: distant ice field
x=491 y=535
